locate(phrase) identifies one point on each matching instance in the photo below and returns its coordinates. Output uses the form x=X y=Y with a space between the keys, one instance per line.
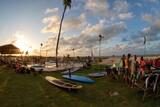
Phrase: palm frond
x=67 y=3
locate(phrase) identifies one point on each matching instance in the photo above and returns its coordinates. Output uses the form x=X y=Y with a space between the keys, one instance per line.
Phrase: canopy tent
x=9 y=49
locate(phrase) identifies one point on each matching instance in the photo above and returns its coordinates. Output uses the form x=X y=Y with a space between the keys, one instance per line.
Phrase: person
x=17 y=66
x=134 y=70
x=157 y=63
x=127 y=68
x=123 y=63
x=142 y=66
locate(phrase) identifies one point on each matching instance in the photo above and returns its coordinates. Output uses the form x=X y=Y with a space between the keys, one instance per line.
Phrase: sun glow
x=22 y=43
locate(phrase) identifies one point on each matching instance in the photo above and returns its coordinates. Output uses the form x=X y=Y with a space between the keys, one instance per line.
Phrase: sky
x=122 y=23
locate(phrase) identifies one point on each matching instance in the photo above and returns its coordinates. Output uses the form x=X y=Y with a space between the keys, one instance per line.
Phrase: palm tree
x=73 y=52
x=41 y=48
x=40 y=51
x=100 y=39
x=66 y=3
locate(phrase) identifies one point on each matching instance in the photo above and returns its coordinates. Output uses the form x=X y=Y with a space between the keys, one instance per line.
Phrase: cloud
x=75 y=23
x=77 y=4
x=121 y=6
x=88 y=38
x=120 y=9
x=53 y=10
x=138 y=4
x=151 y=32
x=72 y=23
x=124 y=16
x=97 y=6
x=147 y=17
x=154 y=27
x=153 y=1
x=110 y=22
x=136 y=40
x=53 y=24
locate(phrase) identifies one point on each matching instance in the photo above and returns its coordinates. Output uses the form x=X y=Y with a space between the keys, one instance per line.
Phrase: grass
x=27 y=90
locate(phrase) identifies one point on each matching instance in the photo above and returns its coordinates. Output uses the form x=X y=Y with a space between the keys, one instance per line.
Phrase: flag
x=144 y=40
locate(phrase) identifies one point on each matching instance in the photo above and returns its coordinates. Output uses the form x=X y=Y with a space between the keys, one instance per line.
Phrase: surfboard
x=97 y=74
x=71 y=71
x=78 y=78
x=62 y=84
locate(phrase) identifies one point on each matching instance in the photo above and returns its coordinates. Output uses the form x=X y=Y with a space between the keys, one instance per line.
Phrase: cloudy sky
x=122 y=23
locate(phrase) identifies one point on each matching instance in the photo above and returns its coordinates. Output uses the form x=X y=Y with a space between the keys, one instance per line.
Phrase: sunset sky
x=123 y=23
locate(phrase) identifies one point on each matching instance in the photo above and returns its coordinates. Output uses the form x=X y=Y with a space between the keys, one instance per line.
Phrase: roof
x=9 y=49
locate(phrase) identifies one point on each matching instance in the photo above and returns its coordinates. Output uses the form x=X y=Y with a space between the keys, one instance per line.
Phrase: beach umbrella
x=9 y=49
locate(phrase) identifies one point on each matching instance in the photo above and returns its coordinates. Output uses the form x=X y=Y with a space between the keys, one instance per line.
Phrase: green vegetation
x=27 y=90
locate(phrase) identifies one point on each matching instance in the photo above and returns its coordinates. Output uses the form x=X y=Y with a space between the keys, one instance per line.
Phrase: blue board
x=79 y=78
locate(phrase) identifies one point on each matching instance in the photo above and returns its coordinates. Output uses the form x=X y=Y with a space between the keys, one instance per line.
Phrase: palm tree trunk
x=59 y=36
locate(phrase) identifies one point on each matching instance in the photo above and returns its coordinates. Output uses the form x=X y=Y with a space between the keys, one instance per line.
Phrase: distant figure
x=123 y=64
x=123 y=60
x=142 y=66
x=18 y=66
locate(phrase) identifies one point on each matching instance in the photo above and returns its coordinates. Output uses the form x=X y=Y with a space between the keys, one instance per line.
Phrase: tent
x=9 y=49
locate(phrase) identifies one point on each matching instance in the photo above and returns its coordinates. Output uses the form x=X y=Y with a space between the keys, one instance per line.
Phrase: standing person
x=123 y=63
x=142 y=66
x=127 y=67
x=134 y=70
x=123 y=60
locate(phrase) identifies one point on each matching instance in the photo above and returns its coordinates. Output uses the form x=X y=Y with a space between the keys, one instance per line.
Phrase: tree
x=66 y=3
x=41 y=48
x=100 y=39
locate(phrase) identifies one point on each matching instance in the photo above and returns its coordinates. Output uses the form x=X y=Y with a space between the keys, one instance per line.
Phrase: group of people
x=133 y=68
